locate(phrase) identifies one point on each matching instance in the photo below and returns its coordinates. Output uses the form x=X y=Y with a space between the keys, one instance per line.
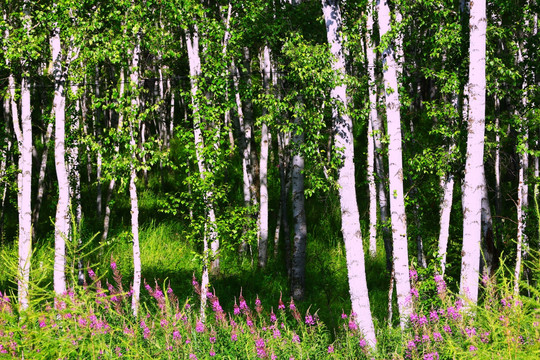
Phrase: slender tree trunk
x=372 y=189
x=473 y=182
x=112 y=183
x=61 y=233
x=41 y=179
x=536 y=191
x=298 y=270
x=248 y=121
x=487 y=247
x=4 y=153
x=263 y=169
x=523 y=187
x=245 y=144
x=395 y=171
x=343 y=139
x=97 y=125
x=380 y=170
x=23 y=132
x=195 y=73
x=134 y=200
x=498 y=196
x=283 y=145
x=446 y=208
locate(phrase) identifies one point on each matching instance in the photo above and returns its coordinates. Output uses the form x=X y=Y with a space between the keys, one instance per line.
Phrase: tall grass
x=249 y=315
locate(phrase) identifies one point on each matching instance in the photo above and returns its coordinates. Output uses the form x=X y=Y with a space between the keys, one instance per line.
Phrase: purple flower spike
x=310 y=320
x=362 y=343
x=200 y=326
x=413 y=274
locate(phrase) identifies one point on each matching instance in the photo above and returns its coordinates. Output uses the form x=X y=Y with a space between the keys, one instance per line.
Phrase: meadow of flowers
x=95 y=321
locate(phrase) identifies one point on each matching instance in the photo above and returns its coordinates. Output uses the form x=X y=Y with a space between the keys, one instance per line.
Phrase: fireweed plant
x=94 y=321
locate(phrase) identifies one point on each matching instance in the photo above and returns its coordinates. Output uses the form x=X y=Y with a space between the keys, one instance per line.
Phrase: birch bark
x=134 y=200
x=298 y=269
x=473 y=182
x=23 y=131
x=4 y=153
x=61 y=232
x=523 y=187
x=263 y=168
x=372 y=189
x=343 y=139
x=192 y=39
x=395 y=169
x=41 y=178
x=446 y=208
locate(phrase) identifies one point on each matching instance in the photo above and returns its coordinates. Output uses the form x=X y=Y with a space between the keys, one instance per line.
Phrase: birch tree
x=473 y=182
x=343 y=139
x=134 y=200
x=298 y=268
x=372 y=189
x=22 y=126
x=62 y=210
x=263 y=167
x=395 y=166
x=192 y=39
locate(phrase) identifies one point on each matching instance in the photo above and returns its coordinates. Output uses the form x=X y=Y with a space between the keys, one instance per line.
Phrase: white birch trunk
x=195 y=73
x=4 y=153
x=246 y=131
x=523 y=187
x=41 y=178
x=298 y=269
x=395 y=171
x=263 y=169
x=61 y=232
x=446 y=209
x=343 y=139
x=372 y=189
x=536 y=189
x=497 y=169
x=23 y=133
x=473 y=182
x=112 y=183
x=486 y=246
x=134 y=200
x=284 y=139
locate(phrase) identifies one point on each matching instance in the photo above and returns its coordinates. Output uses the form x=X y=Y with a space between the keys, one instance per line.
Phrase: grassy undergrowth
x=249 y=315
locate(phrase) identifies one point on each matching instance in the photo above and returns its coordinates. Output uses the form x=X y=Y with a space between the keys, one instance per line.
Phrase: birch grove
x=264 y=145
